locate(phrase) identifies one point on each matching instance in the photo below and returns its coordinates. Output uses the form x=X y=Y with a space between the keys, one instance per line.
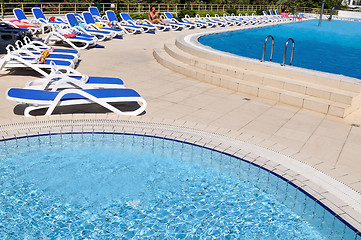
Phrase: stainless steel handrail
x=284 y=54
x=264 y=47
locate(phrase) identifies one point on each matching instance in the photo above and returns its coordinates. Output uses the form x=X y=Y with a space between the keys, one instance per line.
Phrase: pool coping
x=342 y=201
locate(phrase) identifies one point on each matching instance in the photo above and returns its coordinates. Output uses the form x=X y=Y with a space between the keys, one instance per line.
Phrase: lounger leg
x=31 y=108
x=58 y=98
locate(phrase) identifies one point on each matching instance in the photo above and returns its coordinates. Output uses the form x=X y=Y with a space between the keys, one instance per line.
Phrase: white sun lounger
x=197 y=22
x=213 y=20
x=146 y=27
x=91 y=24
x=79 y=42
x=14 y=59
x=63 y=81
x=101 y=35
x=52 y=55
x=39 y=46
x=40 y=99
x=172 y=20
x=127 y=28
x=58 y=79
x=26 y=54
x=40 y=18
x=96 y=14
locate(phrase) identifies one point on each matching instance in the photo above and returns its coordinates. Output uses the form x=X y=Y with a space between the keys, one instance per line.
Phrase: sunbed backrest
x=72 y=19
x=38 y=13
x=88 y=18
x=94 y=11
x=126 y=17
x=19 y=14
x=168 y=15
x=111 y=16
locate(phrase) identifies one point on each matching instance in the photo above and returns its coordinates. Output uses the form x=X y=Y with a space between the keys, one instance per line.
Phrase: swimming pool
x=123 y=185
x=334 y=47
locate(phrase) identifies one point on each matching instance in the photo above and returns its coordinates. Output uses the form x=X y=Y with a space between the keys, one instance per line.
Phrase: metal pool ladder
x=264 y=47
x=284 y=54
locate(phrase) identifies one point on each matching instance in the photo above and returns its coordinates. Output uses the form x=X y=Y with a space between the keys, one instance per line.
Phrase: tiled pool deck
x=269 y=133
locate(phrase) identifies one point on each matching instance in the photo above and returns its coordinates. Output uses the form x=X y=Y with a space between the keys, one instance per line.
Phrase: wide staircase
x=329 y=95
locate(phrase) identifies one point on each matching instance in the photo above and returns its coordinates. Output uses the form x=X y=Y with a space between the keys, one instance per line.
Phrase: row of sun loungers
x=108 y=26
x=61 y=84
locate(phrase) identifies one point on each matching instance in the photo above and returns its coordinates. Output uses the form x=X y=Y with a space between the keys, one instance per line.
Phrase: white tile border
x=341 y=199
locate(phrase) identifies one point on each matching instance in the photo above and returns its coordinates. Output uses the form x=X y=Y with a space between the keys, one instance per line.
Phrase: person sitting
x=152 y=17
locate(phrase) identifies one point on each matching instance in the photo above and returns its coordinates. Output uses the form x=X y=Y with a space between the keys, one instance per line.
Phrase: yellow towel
x=45 y=53
x=99 y=25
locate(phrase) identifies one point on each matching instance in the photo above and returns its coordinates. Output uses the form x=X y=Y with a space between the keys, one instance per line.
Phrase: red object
x=52 y=19
x=70 y=35
x=41 y=59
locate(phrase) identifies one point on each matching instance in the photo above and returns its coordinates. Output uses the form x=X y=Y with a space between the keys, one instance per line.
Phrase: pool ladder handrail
x=264 y=47
x=284 y=54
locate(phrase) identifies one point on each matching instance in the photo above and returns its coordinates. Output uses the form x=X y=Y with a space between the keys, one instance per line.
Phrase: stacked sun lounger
x=61 y=85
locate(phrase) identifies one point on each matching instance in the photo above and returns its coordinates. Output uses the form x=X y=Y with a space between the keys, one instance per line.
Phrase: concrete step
x=254 y=88
x=288 y=84
x=313 y=77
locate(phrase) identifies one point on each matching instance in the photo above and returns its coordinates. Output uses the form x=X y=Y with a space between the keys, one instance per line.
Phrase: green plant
x=138 y=15
x=210 y=13
x=259 y=11
x=246 y=12
x=231 y=11
x=190 y=12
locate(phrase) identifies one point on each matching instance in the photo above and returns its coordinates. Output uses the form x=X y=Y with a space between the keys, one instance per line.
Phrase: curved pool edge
x=344 y=202
x=192 y=41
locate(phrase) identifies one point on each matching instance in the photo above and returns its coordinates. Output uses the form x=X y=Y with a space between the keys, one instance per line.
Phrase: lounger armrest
x=147 y=21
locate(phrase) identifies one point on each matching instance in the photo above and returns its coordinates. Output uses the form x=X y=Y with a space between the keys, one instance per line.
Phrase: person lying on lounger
x=22 y=24
x=152 y=17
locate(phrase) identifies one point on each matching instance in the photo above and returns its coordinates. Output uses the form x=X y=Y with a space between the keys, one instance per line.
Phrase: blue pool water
x=112 y=186
x=334 y=47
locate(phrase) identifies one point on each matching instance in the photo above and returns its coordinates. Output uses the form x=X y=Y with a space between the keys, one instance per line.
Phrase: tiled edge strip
x=344 y=202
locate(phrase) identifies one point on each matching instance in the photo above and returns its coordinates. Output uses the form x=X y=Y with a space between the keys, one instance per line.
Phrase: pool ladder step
x=284 y=53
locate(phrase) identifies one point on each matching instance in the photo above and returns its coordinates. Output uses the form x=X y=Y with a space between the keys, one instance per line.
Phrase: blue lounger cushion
x=19 y=14
x=97 y=31
x=47 y=62
x=58 y=62
x=42 y=95
x=58 y=56
x=60 y=50
x=84 y=37
x=102 y=80
x=113 y=29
